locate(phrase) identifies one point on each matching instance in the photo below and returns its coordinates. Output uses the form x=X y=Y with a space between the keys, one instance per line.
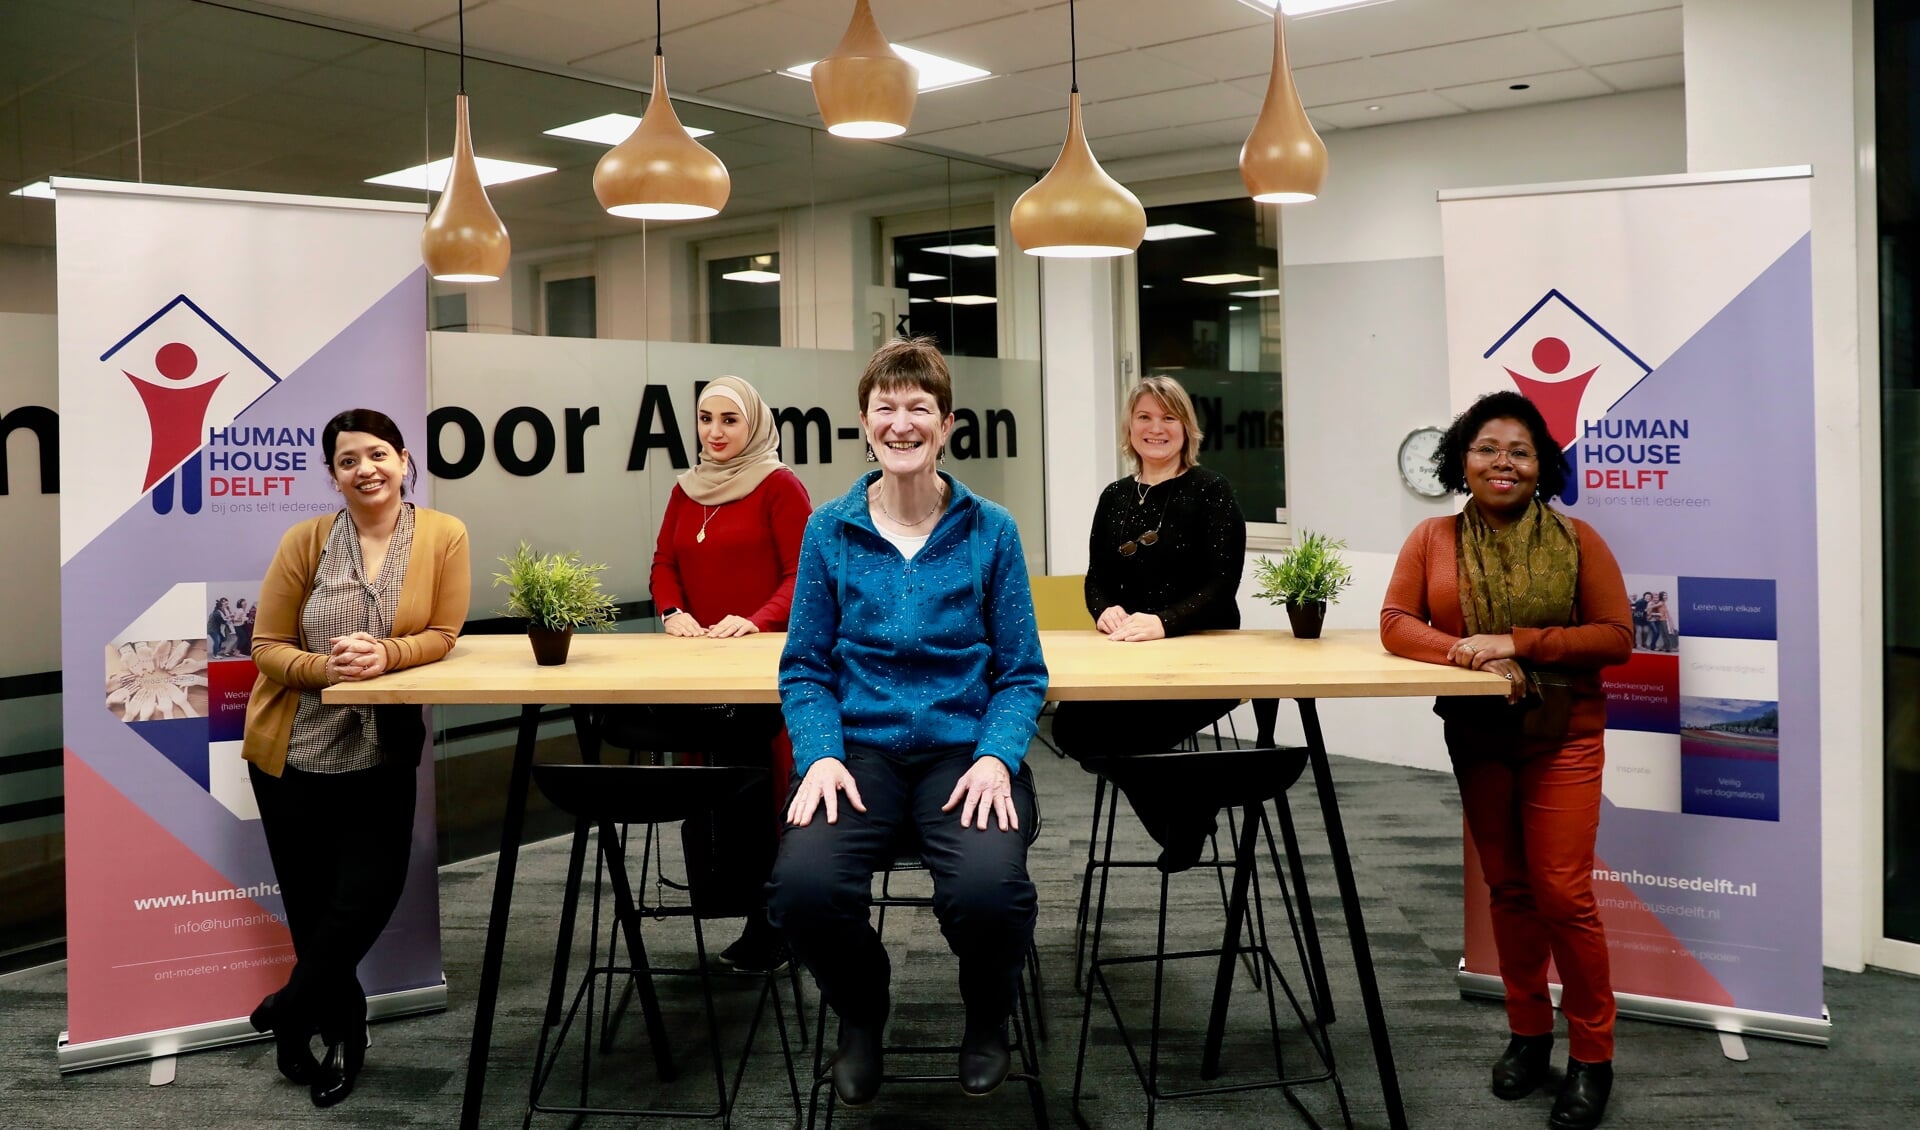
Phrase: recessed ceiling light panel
x=1221 y=280
x=1173 y=231
x=609 y=129
x=433 y=177
x=965 y=250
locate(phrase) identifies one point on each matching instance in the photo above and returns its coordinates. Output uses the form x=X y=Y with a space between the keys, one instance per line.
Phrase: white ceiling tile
x=1232 y=54
x=778 y=94
x=1023 y=132
x=1403 y=25
x=519 y=30
x=1002 y=96
x=901 y=20
x=1475 y=60
x=1402 y=108
x=1545 y=13
x=1120 y=75
x=1619 y=39
x=715 y=51
x=1330 y=83
x=1020 y=43
x=1644 y=74
x=1208 y=103
x=1036 y=157
x=1161 y=21
x=1556 y=87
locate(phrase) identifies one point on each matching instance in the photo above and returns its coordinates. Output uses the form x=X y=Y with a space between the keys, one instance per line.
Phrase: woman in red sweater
x=723 y=568
x=1511 y=586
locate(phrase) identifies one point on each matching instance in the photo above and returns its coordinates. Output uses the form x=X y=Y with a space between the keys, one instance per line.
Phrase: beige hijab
x=711 y=484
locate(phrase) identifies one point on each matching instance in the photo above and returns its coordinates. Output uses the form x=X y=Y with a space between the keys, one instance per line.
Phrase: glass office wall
x=1897 y=75
x=600 y=331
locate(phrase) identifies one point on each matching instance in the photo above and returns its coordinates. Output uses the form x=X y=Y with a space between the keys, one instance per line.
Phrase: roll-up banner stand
x=205 y=338
x=1664 y=327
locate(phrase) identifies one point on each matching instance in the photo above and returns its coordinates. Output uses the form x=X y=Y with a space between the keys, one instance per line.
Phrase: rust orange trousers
x=1533 y=823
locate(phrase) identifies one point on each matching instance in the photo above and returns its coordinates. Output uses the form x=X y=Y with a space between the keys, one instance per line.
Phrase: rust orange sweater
x=1421 y=617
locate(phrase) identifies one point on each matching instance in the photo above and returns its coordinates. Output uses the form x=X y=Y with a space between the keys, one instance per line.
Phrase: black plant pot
x=1307 y=618
x=549 y=644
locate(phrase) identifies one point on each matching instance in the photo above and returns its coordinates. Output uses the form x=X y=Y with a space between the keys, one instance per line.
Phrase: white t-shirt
x=908 y=546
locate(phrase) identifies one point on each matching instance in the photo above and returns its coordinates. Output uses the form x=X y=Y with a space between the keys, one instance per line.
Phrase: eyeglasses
x=1489 y=453
x=1129 y=548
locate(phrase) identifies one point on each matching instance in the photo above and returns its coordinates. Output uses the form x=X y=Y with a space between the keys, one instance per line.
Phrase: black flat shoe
x=857 y=1066
x=291 y=1053
x=1582 y=1102
x=333 y=1079
x=262 y=1015
x=760 y=949
x=985 y=1060
x=1523 y=1067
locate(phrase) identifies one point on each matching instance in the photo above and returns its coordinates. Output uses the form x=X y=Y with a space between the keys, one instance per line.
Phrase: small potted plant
x=1306 y=579
x=555 y=593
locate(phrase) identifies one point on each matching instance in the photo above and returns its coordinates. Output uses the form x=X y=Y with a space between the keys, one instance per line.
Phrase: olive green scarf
x=1524 y=576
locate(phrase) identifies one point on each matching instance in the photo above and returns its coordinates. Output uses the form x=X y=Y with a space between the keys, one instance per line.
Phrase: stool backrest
x=1060 y=603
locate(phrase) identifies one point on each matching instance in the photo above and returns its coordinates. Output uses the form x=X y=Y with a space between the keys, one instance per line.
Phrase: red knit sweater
x=746 y=564
x=1421 y=617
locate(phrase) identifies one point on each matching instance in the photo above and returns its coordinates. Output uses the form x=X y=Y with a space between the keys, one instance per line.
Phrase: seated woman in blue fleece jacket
x=910 y=682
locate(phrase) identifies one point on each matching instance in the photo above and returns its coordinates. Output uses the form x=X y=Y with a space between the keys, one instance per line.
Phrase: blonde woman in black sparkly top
x=1164 y=559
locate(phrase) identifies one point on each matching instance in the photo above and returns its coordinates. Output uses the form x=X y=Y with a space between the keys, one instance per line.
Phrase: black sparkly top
x=1188 y=578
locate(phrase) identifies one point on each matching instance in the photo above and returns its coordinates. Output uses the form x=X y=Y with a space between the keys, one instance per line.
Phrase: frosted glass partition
x=574 y=444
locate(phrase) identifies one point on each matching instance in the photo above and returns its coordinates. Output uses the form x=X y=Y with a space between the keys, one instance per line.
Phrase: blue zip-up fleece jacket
x=932 y=653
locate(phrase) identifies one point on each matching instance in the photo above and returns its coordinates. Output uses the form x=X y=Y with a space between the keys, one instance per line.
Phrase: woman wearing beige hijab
x=723 y=567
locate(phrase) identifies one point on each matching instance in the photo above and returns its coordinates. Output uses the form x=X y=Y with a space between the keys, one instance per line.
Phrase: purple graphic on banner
x=1732 y=517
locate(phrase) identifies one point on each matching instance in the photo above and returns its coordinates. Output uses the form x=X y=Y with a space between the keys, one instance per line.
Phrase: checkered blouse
x=341 y=739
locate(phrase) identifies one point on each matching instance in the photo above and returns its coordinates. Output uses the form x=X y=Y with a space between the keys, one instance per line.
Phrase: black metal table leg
x=586 y=728
x=511 y=823
x=1356 y=924
x=1236 y=913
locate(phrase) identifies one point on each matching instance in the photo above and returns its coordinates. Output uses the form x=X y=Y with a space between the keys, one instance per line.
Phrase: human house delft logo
x=185 y=367
x=1560 y=359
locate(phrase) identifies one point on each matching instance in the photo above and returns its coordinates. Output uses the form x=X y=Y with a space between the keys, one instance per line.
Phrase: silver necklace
x=1140 y=490
x=880 y=494
x=711 y=511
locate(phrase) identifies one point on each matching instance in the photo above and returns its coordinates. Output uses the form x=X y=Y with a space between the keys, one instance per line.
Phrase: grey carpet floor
x=1404 y=827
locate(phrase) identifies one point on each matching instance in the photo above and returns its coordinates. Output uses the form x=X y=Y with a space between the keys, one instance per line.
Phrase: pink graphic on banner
x=160 y=939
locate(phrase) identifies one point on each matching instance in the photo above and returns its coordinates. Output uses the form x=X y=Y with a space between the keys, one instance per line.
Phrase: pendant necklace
x=711 y=511
x=1140 y=490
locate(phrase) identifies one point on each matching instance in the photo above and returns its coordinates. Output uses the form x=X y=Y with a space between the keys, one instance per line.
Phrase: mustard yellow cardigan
x=433 y=606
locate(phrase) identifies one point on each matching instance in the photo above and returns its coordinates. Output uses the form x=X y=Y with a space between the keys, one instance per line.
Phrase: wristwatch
x=669 y=613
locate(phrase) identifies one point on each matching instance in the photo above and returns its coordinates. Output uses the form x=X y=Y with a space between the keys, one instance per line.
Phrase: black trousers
x=340 y=843
x=822 y=885
x=730 y=850
x=1111 y=729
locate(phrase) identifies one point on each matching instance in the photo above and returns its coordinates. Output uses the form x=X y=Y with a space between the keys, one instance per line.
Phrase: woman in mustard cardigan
x=379 y=586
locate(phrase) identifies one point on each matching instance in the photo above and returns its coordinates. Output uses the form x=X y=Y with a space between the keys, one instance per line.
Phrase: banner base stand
x=221 y=1033
x=1687 y=1014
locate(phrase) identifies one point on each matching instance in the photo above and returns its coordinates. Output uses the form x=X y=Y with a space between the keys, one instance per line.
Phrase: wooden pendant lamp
x=1077 y=211
x=660 y=172
x=864 y=89
x=464 y=240
x=1284 y=160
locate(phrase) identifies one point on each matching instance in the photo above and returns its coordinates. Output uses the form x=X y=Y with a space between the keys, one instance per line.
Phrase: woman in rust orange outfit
x=1511 y=586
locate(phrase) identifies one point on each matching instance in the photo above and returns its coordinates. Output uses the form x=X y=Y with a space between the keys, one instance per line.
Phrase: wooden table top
x=653 y=667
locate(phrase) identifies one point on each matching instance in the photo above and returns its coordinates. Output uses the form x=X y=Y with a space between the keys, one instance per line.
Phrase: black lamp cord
x=656 y=27
x=1073 y=49
x=463 y=46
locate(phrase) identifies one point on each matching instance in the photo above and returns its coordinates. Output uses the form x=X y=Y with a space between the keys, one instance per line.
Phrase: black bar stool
x=1228 y=778
x=1020 y=1029
x=606 y=797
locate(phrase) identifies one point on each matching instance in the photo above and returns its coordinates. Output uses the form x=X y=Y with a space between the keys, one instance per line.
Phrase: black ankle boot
x=291 y=1053
x=985 y=1058
x=858 y=1065
x=1583 y=1097
x=333 y=1079
x=1522 y=1067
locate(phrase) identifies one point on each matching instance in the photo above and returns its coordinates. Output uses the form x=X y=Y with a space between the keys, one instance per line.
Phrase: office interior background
x=1313 y=336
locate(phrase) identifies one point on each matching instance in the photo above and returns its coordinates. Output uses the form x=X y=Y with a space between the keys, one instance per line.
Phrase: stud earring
x=871 y=457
